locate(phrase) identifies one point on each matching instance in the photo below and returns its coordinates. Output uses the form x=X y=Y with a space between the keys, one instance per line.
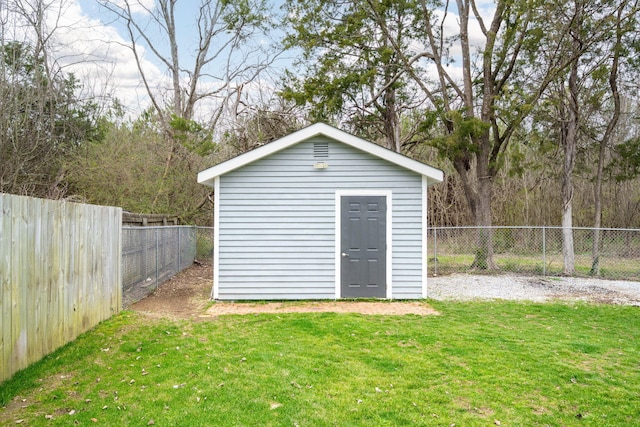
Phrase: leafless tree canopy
x=214 y=69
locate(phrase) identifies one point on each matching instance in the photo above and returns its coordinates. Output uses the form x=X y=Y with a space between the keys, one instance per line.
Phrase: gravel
x=464 y=287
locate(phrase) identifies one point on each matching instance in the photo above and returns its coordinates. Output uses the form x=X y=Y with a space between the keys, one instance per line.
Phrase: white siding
x=277 y=223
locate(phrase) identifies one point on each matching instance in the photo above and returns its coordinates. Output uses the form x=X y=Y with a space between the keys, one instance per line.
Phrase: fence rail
x=152 y=255
x=537 y=250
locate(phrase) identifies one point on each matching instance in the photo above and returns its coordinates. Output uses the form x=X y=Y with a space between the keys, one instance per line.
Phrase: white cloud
x=101 y=58
x=138 y=7
x=451 y=28
x=94 y=52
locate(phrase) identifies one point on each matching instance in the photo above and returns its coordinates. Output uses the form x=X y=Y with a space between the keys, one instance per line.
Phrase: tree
x=597 y=32
x=478 y=111
x=43 y=116
x=351 y=72
x=569 y=115
x=228 y=55
x=225 y=58
x=625 y=24
x=127 y=168
x=41 y=122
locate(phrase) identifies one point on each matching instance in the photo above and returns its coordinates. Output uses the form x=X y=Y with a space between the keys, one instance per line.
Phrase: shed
x=320 y=214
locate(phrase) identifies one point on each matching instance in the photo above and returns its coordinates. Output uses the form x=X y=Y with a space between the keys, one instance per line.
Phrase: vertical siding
x=59 y=275
x=277 y=223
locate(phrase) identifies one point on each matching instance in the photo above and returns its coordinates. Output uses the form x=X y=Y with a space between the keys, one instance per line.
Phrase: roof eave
x=207 y=176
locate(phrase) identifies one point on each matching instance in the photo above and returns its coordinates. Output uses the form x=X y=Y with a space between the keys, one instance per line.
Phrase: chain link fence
x=152 y=255
x=536 y=250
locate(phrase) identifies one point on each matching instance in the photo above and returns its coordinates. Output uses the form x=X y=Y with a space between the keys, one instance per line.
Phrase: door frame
x=388 y=195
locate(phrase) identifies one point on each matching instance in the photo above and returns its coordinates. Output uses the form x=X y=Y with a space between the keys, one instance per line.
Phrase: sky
x=90 y=43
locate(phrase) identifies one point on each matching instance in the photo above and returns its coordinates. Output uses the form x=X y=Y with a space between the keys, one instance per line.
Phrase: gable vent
x=320 y=150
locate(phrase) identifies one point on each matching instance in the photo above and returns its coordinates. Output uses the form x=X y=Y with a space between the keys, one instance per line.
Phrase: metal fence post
x=544 y=252
x=435 y=251
x=179 y=252
x=157 y=250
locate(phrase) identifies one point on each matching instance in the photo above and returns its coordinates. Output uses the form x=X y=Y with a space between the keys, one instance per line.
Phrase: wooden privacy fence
x=60 y=275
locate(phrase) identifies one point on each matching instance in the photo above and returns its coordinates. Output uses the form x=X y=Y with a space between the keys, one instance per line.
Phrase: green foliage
x=204 y=246
x=462 y=139
x=193 y=136
x=474 y=364
x=20 y=60
x=139 y=169
x=627 y=163
x=242 y=17
x=42 y=120
x=350 y=72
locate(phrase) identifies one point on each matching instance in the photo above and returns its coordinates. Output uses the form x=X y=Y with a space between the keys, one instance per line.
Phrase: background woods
x=529 y=107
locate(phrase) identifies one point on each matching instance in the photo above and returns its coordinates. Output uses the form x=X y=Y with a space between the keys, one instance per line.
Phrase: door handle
x=344 y=254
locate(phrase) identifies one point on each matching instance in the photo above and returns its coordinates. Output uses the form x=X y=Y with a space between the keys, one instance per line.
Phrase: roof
x=208 y=176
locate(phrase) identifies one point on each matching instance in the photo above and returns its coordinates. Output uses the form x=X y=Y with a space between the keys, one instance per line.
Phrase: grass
x=610 y=267
x=476 y=364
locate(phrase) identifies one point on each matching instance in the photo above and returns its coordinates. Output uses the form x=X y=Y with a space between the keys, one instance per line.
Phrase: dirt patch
x=187 y=296
x=361 y=307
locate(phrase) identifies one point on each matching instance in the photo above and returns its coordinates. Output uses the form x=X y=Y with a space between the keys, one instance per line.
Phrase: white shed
x=320 y=214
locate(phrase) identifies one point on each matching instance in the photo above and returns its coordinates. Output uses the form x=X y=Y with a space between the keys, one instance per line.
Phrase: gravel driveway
x=537 y=289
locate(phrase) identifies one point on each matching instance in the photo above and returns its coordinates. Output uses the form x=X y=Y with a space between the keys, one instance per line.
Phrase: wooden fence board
x=60 y=275
x=5 y=286
x=31 y=283
x=51 y=265
x=116 y=273
x=57 y=246
x=40 y=278
x=17 y=272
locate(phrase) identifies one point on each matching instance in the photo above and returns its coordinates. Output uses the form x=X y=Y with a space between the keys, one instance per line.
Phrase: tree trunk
x=568 y=254
x=478 y=191
x=484 y=253
x=390 y=115
x=570 y=134
x=567 y=184
x=608 y=134
x=484 y=181
x=597 y=207
x=391 y=120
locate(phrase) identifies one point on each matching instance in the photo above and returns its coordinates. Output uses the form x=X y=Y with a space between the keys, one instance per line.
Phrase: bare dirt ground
x=187 y=296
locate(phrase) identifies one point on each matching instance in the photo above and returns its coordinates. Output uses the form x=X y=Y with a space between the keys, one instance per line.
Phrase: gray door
x=363 y=227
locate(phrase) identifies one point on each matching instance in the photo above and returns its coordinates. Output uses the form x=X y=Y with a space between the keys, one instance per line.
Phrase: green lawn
x=476 y=364
x=610 y=267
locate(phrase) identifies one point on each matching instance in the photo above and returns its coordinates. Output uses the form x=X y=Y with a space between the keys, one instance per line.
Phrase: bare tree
x=226 y=56
x=594 y=48
x=42 y=118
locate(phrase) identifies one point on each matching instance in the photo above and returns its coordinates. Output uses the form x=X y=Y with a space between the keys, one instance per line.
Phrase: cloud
x=138 y=7
x=82 y=45
x=88 y=45
x=97 y=55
